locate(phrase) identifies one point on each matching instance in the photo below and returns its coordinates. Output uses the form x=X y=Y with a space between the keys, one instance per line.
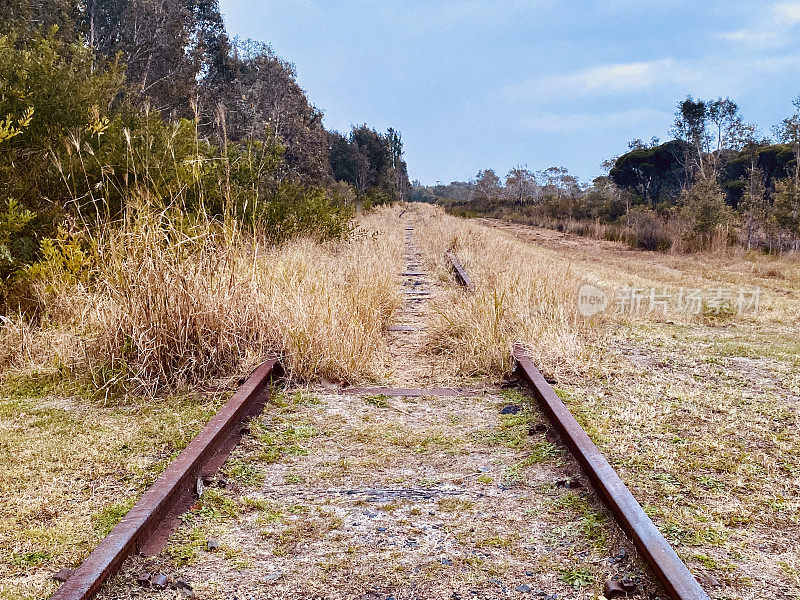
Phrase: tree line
x=105 y=104
x=717 y=182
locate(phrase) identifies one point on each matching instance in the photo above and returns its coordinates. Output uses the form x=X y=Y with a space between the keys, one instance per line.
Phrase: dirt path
x=344 y=494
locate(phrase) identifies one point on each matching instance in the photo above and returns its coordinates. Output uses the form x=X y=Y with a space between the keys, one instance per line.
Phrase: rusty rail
x=460 y=272
x=667 y=566
x=149 y=523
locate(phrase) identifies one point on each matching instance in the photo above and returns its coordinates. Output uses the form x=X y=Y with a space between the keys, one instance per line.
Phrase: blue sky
x=479 y=84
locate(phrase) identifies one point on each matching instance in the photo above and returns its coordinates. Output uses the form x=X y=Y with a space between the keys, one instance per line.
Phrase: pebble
x=523 y=588
x=511 y=409
x=159 y=581
x=181 y=584
x=212 y=544
x=446 y=561
x=143 y=579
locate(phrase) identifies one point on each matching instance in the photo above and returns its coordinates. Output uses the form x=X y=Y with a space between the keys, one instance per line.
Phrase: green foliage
x=577 y=578
x=107 y=519
x=30 y=559
x=704 y=206
x=651 y=173
x=14 y=222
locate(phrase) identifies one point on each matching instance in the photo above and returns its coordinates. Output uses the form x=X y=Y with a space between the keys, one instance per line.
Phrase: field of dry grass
x=697 y=412
x=93 y=400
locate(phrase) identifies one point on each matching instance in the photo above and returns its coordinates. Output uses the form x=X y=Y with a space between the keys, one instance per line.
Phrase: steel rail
x=670 y=570
x=460 y=272
x=148 y=524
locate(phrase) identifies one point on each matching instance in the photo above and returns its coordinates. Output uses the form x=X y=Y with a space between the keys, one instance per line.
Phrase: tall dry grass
x=521 y=297
x=175 y=300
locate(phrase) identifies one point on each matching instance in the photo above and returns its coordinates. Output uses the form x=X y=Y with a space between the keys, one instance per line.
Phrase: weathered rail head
x=148 y=524
x=461 y=274
x=673 y=574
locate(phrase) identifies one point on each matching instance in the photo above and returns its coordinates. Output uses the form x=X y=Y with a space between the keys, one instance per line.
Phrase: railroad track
x=147 y=526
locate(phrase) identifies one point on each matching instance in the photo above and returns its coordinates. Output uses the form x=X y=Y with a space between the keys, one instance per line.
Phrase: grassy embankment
x=697 y=412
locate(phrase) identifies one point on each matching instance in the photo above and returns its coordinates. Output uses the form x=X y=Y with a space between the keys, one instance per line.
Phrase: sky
x=479 y=84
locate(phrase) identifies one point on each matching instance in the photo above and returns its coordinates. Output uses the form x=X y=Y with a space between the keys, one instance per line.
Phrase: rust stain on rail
x=148 y=524
x=673 y=574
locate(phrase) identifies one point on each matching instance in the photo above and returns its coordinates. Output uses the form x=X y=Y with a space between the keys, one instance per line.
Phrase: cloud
x=605 y=79
x=772 y=28
x=553 y=122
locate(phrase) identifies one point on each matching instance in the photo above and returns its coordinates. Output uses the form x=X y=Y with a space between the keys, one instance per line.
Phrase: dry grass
x=521 y=296
x=170 y=303
x=178 y=301
x=699 y=414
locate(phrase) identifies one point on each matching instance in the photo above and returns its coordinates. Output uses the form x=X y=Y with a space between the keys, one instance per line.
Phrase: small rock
x=212 y=544
x=381 y=529
x=274 y=576
x=143 y=579
x=622 y=555
x=709 y=581
x=182 y=584
x=159 y=581
x=446 y=561
x=63 y=575
x=529 y=573
x=569 y=483
x=523 y=588
x=511 y=409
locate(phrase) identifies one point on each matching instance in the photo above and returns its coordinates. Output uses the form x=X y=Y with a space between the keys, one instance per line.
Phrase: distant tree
x=487 y=185
x=520 y=184
x=704 y=205
x=724 y=114
x=788 y=131
x=691 y=126
x=398 y=165
x=28 y=18
x=654 y=174
x=753 y=205
x=370 y=161
x=259 y=99
x=785 y=214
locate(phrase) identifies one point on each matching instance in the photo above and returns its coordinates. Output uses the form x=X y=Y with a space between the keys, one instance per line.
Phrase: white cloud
x=553 y=122
x=772 y=28
x=604 y=80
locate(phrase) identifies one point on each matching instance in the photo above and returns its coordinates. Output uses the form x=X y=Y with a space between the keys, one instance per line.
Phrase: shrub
x=647 y=229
